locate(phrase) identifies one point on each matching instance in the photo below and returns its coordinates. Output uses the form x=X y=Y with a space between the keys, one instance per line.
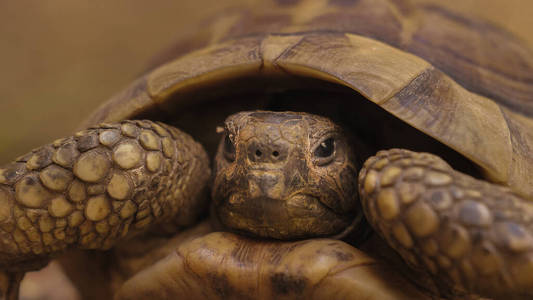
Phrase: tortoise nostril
x=261 y=153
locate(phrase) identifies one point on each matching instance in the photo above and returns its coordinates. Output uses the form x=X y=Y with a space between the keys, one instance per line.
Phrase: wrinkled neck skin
x=285 y=176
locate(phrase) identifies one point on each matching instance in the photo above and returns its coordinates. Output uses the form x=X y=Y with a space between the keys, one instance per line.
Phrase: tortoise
x=393 y=74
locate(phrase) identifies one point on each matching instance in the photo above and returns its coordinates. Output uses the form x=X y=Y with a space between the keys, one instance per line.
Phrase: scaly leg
x=92 y=189
x=466 y=233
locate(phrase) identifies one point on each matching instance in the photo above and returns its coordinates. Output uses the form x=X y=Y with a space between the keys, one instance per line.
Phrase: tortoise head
x=285 y=175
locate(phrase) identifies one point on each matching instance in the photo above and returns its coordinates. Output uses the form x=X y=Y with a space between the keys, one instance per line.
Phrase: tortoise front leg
x=92 y=189
x=466 y=233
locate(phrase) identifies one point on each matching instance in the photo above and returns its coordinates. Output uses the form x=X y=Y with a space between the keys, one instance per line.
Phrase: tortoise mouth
x=297 y=217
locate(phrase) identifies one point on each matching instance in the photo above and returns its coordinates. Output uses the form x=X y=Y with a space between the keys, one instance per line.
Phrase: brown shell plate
x=458 y=79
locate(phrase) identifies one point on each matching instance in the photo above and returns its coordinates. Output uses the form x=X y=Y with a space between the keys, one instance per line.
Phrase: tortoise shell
x=462 y=81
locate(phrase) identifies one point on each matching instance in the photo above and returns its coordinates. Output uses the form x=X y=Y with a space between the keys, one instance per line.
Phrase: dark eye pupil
x=229 y=148
x=325 y=149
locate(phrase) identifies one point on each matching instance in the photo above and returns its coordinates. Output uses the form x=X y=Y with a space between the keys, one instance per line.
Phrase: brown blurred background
x=59 y=59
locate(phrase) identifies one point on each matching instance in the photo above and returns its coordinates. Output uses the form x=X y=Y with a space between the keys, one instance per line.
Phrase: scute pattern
x=222 y=265
x=91 y=189
x=473 y=234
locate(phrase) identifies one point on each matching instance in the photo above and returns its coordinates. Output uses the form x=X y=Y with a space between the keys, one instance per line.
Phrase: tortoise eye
x=229 y=149
x=324 y=151
x=325 y=148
